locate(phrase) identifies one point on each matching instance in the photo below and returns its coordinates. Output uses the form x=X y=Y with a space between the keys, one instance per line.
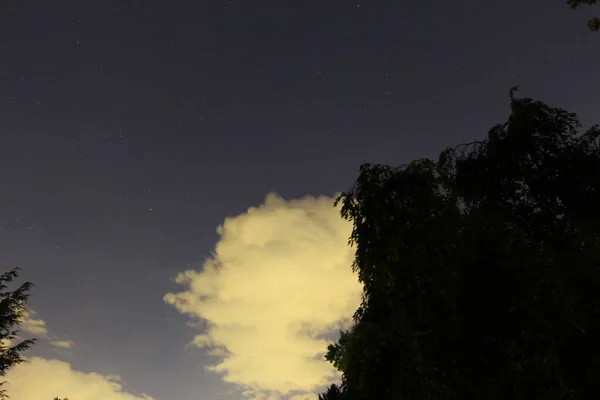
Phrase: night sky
x=130 y=130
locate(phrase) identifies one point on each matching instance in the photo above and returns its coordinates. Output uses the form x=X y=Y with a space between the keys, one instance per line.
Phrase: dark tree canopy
x=480 y=271
x=594 y=23
x=12 y=310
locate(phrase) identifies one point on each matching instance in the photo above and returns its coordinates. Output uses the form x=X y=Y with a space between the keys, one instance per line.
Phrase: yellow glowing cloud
x=32 y=325
x=280 y=278
x=42 y=379
x=36 y=327
x=27 y=324
x=63 y=344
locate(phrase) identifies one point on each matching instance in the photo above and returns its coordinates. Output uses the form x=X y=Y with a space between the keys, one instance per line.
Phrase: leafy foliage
x=12 y=310
x=594 y=23
x=480 y=271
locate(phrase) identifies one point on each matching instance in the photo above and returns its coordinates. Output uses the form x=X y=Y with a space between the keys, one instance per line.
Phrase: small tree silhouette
x=12 y=310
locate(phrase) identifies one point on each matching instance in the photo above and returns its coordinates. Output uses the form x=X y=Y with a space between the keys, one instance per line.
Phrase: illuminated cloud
x=27 y=324
x=42 y=379
x=280 y=279
x=32 y=325
x=63 y=344
x=36 y=327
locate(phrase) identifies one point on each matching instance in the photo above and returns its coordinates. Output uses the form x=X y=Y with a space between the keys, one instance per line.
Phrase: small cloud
x=37 y=328
x=279 y=282
x=34 y=326
x=63 y=344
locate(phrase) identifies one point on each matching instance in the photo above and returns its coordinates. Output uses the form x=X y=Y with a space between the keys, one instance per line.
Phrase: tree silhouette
x=594 y=23
x=333 y=393
x=480 y=271
x=12 y=310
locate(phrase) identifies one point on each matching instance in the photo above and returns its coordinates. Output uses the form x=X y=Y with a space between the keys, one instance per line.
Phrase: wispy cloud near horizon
x=39 y=378
x=279 y=280
x=34 y=326
x=63 y=344
x=43 y=379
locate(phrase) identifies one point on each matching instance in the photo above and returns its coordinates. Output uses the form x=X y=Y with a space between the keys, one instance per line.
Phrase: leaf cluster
x=594 y=23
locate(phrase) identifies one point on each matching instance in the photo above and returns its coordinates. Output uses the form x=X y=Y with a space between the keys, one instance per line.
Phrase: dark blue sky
x=129 y=130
